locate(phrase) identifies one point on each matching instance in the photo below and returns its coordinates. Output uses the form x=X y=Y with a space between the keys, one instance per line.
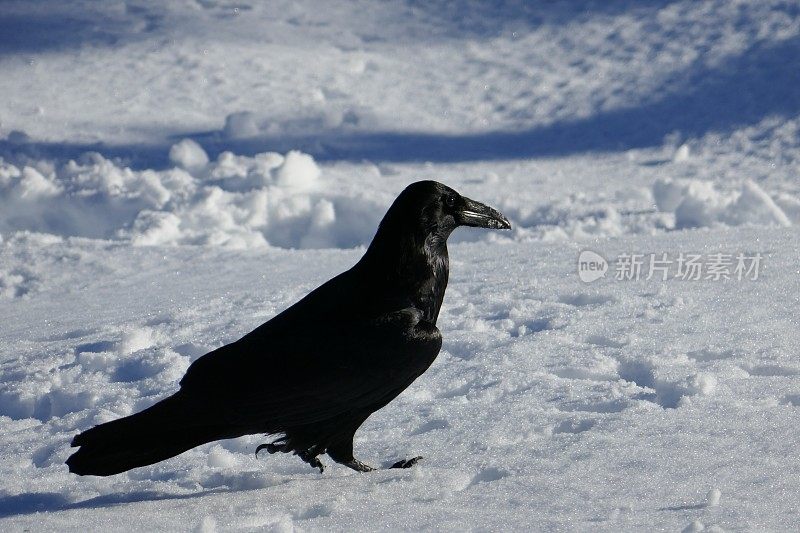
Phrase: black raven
x=316 y=371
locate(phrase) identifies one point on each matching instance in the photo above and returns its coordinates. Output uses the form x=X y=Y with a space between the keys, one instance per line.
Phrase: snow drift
x=234 y=201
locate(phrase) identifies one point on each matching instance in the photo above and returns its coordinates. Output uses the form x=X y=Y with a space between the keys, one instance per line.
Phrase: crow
x=315 y=372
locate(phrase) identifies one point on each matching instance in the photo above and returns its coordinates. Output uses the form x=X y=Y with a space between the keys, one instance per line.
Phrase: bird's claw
x=406 y=463
x=358 y=466
x=271 y=447
x=316 y=463
x=313 y=460
x=306 y=456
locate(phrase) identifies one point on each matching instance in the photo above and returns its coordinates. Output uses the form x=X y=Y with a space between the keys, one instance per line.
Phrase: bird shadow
x=38 y=502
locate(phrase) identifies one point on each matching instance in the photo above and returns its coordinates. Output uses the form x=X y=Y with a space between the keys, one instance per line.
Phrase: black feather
x=315 y=372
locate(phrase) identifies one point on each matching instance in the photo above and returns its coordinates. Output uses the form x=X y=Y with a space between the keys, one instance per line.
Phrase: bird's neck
x=412 y=269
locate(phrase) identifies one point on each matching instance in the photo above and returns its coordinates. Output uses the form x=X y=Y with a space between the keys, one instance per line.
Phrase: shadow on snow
x=764 y=81
x=37 y=502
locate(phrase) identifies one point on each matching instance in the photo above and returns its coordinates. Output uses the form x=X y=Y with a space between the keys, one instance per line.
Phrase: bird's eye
x=449 y=200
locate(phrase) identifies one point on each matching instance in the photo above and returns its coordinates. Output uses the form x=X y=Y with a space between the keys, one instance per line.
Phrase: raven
x=314 y=373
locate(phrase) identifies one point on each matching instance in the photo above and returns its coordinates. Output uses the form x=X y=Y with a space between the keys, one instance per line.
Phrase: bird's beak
x=479 y=215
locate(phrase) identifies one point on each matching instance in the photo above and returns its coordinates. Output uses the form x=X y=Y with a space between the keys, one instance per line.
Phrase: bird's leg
x=310 y=457
x=406 y=463
x=342 y=453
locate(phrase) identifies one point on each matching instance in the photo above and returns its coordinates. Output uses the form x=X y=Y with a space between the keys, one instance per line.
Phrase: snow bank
x=698 y=203
x=235 y=201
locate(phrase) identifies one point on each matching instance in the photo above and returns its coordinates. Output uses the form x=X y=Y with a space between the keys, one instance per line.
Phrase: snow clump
x=697 y=203
x=189 y=155
x=241 y=125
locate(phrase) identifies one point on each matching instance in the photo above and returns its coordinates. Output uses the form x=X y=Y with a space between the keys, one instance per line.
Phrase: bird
x=312 y=374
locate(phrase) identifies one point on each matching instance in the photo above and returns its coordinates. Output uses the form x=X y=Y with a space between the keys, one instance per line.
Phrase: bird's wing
x=303 y=377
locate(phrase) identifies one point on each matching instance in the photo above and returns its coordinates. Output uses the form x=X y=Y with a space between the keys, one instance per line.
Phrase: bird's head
x=410 y=247
x=427 y=212
x=434 y=208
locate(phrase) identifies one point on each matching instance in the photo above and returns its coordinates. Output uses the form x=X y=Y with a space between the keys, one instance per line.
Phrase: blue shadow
x=34 y=26
x=42 y=26
x=463 y=19
x=764 y=81
x=42 y=502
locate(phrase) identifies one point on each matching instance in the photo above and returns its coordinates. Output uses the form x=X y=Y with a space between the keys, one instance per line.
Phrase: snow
x=698 y=203
x=572 y=400
x=712 y=498
x=173 y=175
x=240 y=125
x=189 y=155
x=234 y=201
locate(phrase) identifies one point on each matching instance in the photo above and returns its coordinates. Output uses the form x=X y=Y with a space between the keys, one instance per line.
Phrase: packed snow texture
x=174 y=174
x=621 y=405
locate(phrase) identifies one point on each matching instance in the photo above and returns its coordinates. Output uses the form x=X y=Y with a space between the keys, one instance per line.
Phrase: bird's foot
x=358 y=466
x=313 y=460
x=406 y=463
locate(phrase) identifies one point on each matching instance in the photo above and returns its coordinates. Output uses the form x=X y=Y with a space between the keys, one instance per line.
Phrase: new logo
x=591 y=266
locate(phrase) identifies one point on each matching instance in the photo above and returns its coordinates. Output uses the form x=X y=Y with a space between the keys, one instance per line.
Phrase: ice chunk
x=712 y=498
x=152 y=228
x=699 y=203
x=694 y=527
x=681 y=154
x=240 y=125
x=756 y=206
x=298 y=171
x=33 y=185
x=189 y=155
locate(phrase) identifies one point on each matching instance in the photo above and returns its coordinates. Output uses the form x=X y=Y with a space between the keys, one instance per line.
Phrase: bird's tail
x=162 y=431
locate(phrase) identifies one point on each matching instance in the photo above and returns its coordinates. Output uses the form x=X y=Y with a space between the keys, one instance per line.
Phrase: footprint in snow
x=488 y=475
x=600 y=340
x=791 y=399
x=667 y=394
x=96 y=347
x=595 y=406
x=466 y=388
x=584 y=299
x=536 y=325
x=573 y=426
x=572 y=372
x=770 y=370
x=431 y=425
x=707 y=355
x=321 y=510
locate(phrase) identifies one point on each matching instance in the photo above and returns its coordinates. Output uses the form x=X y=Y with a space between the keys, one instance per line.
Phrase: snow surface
x=171 y=176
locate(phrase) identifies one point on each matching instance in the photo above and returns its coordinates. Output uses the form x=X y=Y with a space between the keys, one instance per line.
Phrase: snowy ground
x=171 y=177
